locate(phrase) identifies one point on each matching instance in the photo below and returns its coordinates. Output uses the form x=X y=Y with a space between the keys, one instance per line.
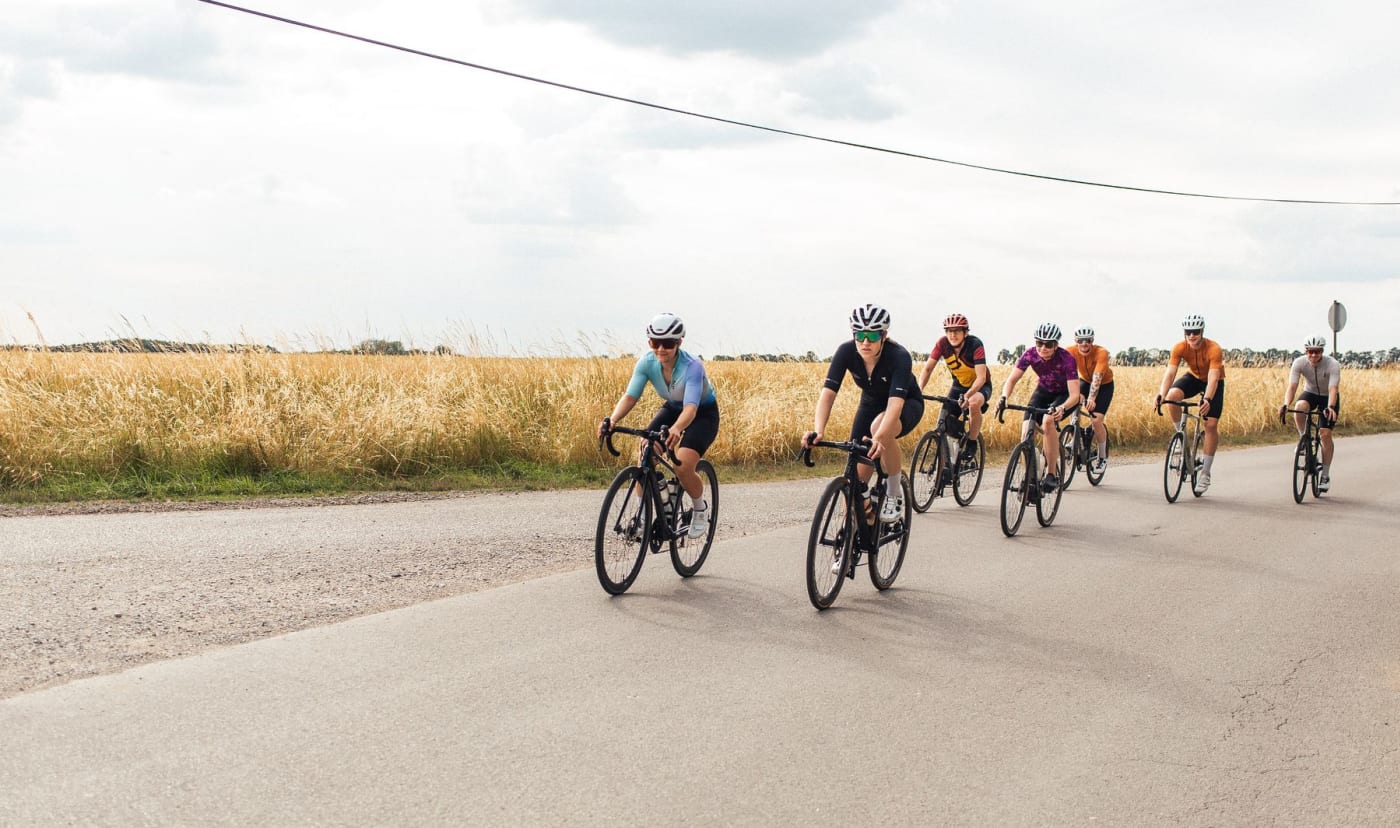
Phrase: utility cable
x=788 y=132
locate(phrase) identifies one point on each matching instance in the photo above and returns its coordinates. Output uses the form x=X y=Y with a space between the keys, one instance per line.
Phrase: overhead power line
x=788 y=132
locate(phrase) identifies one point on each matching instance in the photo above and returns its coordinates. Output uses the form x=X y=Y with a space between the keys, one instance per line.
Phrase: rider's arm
x=980 y=379
x=1011 y=380
x=1332 y=385
x=1289 y=393
x=683 y=420
x=1170 y=376
x=927 y=371
x=825 y=400
x=1212 y=383
x=625 y=403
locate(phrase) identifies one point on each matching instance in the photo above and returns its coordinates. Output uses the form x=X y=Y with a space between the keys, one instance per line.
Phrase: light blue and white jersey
x=689 y=385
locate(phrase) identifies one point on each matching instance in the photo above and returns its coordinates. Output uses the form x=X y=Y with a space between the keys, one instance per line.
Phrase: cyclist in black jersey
x=890 y=402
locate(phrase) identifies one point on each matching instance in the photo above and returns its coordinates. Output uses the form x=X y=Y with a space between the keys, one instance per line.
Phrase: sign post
x=1336 y=320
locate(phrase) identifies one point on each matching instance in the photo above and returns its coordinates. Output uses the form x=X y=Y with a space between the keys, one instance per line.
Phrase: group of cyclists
x=892 y=403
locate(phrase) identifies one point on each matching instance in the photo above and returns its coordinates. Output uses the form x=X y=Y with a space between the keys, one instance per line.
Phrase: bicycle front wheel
x=1048 y=504
x=968 y=475
x=1196 y=463
x=1069 y=447
x=1174 y=472
x=1302 y=469
x=924 y=470
x=1093 y=472
x=1316 y=468
x=888 y=556
x=688 y=554
x=829 y=544
x=624 y=530
x=1015 y=489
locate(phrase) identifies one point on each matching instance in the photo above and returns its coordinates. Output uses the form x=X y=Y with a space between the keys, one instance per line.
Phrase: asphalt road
x=1228 y=660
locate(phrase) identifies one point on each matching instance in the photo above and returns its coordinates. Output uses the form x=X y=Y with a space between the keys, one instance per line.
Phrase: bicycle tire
x=624 y=531
x=1048 y=504
x=1196 y=463
x=830 y=541
x=1300 y=470
x=967 y=480
x=1091 y=472
x=923 y=472
x=1014 y=490
x=688 y=554
x=1174 y=470
x=1069 y=446
x=884 y=563
x=1316 y=467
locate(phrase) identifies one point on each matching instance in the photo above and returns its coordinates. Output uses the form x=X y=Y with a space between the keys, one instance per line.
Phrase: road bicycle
x=646 y=509
x=1082 y=447
x=932 y=470
x=846 y=526
x=1022 y=482
x=1183 y=451
x=1307 y=459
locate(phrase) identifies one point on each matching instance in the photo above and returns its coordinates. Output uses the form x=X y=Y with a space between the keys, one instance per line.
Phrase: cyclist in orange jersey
x=1095 y=385
x=1205 y=375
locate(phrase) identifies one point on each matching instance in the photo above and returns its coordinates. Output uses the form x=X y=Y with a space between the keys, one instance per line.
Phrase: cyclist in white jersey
x=1320 y=375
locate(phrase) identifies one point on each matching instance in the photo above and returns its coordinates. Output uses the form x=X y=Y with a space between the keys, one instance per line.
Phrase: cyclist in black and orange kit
x=966 y=358
x=1205 y=375
x=1095 y=386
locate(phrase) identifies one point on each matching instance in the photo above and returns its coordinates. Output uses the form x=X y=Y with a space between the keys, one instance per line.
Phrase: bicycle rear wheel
x=1069 y=447
x=829 y=544
x=1196 y=463
x=1048 y=504
x=924 y=471
x=1093 y=473
x=1174 y=472
x=893 y=542
x=688 y=554
x=624 y=530
x=1015 y=489
x=969 y=475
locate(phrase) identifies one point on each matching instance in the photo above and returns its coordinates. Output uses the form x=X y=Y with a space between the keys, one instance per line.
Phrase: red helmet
x=956 y=320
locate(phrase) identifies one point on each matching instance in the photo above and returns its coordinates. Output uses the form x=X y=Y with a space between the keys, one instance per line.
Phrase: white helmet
x=1193 y=322
x=870 y=317
x=1315 y=342
x=1085 y=332
x=1047 y=332
x=666 y=326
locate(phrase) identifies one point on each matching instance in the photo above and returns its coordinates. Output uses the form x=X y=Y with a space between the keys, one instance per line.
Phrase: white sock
x=1103 y=449
x=1206 y=460
x=700 y=504
x=892 y=485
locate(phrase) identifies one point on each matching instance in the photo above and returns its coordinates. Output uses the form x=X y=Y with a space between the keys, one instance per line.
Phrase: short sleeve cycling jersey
x=1199 y=361
x=963 y=362
x=1094 y=362
x=688 y=385
x=1317 y=379
x=893 y=375
x=1054 y=373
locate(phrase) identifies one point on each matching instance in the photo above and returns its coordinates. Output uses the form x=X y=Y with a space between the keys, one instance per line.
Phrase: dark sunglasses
x=1085 y=341
x=1194 y=332
x=869 y=336
x=1314 y=350
x=1046 y=343
x=665 y=343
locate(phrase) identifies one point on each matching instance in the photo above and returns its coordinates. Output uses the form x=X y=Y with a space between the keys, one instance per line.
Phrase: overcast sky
x=175 y=169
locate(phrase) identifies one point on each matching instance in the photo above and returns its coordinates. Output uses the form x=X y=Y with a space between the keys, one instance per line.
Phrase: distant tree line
x=147 y=346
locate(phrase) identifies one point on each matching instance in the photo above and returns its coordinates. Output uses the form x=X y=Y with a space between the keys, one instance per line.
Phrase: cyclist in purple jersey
x=1057 y=389
x=689 y=408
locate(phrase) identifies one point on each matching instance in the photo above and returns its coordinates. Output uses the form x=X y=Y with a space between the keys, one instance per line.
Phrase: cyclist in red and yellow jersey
x=1095 y=385
x=966 y=358
x=1205 y=375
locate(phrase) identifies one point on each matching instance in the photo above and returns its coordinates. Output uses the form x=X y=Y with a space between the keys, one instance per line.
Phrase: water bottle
x=669 y=503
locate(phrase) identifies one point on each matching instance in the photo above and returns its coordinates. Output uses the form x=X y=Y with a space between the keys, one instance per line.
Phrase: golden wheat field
x=106 y=414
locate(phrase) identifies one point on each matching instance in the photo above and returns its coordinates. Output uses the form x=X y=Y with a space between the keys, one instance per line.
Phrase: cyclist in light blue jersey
x=689 y=407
